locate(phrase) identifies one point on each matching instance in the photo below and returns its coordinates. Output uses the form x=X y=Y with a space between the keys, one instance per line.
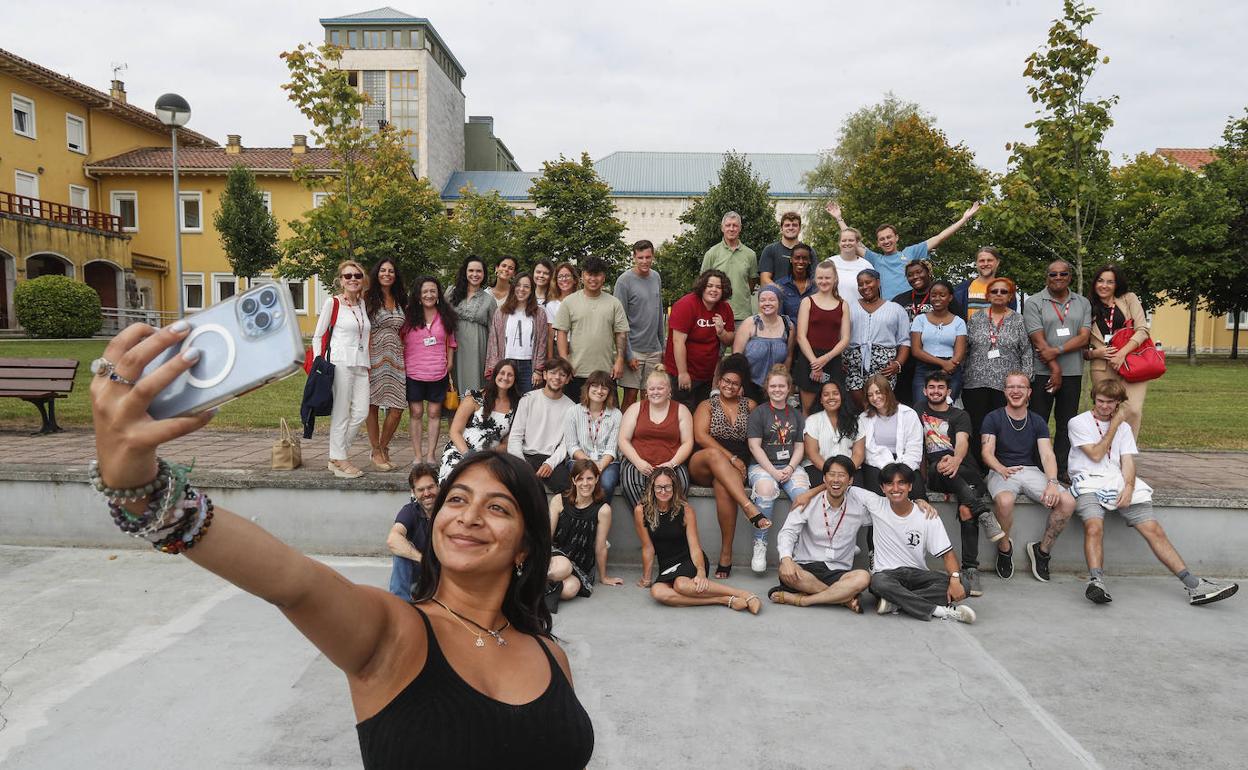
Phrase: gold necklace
x=498 y=635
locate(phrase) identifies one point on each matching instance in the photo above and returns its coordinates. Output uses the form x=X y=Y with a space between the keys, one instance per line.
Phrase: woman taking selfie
x=387 y=377
x=348 y=352
x=473 y=648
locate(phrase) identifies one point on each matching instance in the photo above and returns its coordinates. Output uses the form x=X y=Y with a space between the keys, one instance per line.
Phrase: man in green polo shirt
x=737 y=260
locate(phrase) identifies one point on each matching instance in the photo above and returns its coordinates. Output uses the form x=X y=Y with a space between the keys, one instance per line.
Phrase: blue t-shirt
x=1016 y=444
x=938 y=340
x=892 y=267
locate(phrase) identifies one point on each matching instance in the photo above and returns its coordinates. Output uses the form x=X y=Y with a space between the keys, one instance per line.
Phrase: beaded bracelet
x=176 y=515
x=163 y=472
x=181 y=542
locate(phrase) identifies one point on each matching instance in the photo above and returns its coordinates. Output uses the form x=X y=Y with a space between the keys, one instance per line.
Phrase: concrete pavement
x=136 y=660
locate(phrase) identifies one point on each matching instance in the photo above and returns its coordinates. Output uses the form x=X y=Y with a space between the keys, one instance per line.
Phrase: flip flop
x=760 y=517
x=789 y=597
x=723 y=571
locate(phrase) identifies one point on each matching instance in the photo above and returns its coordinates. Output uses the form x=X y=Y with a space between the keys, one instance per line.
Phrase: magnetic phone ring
x=217 y=353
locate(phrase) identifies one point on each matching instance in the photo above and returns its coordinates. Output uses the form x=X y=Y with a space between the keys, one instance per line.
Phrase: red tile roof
x=211 y=159
x=26 y=70
x=1194 y=158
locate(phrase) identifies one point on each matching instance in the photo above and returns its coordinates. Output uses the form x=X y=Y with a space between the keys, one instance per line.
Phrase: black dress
x=671 y=548
x=576 y=534
x=439 y=720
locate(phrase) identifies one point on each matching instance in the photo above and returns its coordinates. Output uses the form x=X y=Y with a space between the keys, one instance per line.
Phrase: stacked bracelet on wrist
x=176 y=516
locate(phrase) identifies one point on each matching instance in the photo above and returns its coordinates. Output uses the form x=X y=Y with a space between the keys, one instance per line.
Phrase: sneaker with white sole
x=970 y=579
x=992 y=528
x=959 y=613
x=1209 y=591
x=1005 y=563
x=758 y=562
x=885 y=607
x=1039 y=562
x=1096 y=593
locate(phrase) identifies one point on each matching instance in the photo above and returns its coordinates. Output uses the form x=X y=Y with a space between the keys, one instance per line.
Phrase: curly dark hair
x=415 y=311
x=374 y=299
x=699 y=286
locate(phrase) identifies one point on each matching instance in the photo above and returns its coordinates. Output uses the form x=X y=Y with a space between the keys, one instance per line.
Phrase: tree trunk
x=1235 y=337
x=1191 y=334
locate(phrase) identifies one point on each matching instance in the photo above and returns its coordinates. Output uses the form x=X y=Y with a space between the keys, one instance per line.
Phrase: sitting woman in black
x=580 y=520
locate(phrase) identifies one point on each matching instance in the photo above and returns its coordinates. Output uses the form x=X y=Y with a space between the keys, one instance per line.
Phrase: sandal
x=723 y=571
x=779 y=596
x=757 y=519
x=384 y=464
x=753 y=598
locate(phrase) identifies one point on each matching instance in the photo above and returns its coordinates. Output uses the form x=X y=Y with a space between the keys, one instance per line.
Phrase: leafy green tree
x=915 y=180
x=738 y=188
x=1173 y=225
x=576 y=216
x=1229 y=170
x=484 y=225
x=858 y=135
x=1055 y=193
x=376 y=205
x=247 y=230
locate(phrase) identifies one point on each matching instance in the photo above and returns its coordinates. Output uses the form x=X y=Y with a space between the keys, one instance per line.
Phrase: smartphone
x=245 y=342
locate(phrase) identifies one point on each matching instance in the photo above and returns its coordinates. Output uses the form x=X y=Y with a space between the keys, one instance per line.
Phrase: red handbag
x=308 y=358
x=1144 y=363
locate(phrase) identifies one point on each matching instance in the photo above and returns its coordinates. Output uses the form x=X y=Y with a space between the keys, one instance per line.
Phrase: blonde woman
x=823 y=333
x=348 y=352
x=656 y=432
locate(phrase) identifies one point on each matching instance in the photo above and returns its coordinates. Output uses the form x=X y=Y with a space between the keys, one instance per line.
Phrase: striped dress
x=386 y=374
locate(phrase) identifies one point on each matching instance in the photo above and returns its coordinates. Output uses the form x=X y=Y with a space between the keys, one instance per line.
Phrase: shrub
x=57 y=306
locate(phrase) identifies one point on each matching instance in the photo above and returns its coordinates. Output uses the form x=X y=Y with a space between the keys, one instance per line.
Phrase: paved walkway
x=1196 y=474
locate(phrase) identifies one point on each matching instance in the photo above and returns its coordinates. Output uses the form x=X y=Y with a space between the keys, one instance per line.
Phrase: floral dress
x=482 y=432
x=386 y=375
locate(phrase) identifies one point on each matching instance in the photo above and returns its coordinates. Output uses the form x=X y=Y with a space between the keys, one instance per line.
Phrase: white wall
x=442 y=135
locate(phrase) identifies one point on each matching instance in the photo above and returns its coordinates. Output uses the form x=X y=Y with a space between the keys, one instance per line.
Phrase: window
x=224 y=286
x=405 y=41
x=76 y=133
x=352 y=39
x=1243 y=321
x=298 y=290
x=192 y=209
x=268 y=200
x=405 y=107
x=319 y=198
x=26 y=185
x=126 y=206
x=373 y=39
x=193 y=291
x=335 y=37
x=23 y=116
x=79 y=198
x=375 y=89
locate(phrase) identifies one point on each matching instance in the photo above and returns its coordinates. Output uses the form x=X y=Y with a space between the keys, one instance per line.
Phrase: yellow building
x=1170 y=322
x=55 y=218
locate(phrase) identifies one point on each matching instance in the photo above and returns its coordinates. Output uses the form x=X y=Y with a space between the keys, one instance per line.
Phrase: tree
x=914 y=179
x=858 y=136
x=738 y=188
x=576 y=216
x=1173 y=225
x=484 y=225
x=247 y=230
x=1056 y=190
x=376 y=205
x=1229 y=170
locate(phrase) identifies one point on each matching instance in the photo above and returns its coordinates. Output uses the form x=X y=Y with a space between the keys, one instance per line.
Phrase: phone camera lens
x=263 y=320
x=249 y=306
x=268 y=297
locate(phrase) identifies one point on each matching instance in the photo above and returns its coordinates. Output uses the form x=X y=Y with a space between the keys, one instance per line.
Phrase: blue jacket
x=318 y=395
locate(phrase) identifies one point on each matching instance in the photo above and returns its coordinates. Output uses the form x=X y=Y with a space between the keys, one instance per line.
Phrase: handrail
x=116 y=319
x=49 y=211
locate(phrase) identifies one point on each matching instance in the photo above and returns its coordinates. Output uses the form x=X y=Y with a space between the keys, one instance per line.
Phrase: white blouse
x=348 y=345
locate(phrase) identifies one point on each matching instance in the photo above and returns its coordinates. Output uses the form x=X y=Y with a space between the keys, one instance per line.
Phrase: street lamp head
x=173 y=110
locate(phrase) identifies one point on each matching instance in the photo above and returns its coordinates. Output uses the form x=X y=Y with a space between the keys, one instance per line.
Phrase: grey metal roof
x=386 y=14
x=654 y=175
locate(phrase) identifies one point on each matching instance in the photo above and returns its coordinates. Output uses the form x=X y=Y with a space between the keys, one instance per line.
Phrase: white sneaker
x=959 y=613
x=758 y=562
x=885 y=607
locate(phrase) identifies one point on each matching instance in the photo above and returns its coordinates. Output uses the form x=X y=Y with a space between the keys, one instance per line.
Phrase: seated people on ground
x=900 y=578
x=951 y=468
x=723 y=456
x=409 y=535
x=655 y=432
x=580 y=520
x=593 y=430
x=483 y=418
x=1013 y=435
x=538 y=430
x=668 y=531
x=1102 y=469
x=774 y=434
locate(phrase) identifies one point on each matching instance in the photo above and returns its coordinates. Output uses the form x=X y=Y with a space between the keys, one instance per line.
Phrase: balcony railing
x=116 y=319
x=24 y=206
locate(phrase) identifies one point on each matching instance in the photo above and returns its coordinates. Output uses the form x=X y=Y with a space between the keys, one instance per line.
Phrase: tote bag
x=287 y=453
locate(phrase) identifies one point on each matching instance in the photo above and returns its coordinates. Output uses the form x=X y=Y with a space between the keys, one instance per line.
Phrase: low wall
x=44 y=506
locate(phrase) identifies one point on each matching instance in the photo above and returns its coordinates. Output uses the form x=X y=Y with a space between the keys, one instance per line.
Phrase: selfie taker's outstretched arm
x=345 y=621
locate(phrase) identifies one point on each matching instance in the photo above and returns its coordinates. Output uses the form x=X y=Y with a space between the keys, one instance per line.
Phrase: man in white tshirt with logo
x=903 y=541
x=1102 y=473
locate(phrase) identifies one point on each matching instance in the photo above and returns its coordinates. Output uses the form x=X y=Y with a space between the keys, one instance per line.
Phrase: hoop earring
x=520 y=569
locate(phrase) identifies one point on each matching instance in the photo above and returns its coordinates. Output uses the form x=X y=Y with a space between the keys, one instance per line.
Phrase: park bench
x=40 y=381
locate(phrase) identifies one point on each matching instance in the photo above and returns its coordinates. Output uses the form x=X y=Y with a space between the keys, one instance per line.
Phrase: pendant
x=501 y=641
x=480 y=642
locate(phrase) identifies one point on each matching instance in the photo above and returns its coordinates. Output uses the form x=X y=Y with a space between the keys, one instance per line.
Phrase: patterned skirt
x=387 y=377
x=855 y=376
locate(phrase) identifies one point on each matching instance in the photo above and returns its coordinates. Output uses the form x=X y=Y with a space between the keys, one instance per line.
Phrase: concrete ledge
x=43 y=505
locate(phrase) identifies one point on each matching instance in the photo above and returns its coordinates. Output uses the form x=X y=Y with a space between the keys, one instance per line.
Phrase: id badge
x=994 y=353
x=1063 y=332
x=783 y=454
x=430 y=341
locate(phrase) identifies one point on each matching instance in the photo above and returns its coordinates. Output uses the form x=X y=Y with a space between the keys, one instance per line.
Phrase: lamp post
x=175 y=112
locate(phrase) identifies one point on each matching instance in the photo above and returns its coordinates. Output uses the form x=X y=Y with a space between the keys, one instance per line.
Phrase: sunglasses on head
x=1059 y=273
x=353 y=276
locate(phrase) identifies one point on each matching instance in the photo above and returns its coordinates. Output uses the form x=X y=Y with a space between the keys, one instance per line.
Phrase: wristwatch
x=955 y=574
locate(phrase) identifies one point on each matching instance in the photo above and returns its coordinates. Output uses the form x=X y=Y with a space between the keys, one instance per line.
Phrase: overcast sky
x=562 y=77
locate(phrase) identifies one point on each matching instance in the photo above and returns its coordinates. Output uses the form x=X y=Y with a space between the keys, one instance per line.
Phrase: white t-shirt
x=1085 y=430
x=518 y=330
x=905 y=541
x=819 y=427
x=847 y=276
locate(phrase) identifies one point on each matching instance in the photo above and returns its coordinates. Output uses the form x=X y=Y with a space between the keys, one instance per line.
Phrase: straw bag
x=287 y=454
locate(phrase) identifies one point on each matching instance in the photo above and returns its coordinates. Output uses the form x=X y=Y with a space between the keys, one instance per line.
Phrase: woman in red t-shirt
x=698 y=324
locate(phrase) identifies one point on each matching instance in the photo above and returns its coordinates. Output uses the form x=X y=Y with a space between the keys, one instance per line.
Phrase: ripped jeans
x=764 y=489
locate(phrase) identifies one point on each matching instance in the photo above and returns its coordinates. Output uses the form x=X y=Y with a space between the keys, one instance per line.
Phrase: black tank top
x=670 y=540
x=576 y=535
x=439 y=720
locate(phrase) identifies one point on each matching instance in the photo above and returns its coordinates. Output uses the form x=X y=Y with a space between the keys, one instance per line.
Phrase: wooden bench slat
x=31 y=394
x=29 y=385
x=52 y=373
x=40 y=362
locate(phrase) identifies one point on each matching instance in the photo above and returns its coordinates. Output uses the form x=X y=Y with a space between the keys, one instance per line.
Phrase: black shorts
x=820 y=572
x=686 y=568
x=419 y=390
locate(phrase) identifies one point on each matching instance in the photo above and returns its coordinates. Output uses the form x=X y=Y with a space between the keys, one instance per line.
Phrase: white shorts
x=1029 y=481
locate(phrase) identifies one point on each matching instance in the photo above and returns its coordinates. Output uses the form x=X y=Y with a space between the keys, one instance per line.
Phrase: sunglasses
x=353 y=276
x=1059 y=273
x=1002 y=291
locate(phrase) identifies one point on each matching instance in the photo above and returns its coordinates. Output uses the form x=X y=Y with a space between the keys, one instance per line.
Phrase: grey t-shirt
x=775 y=260
x=1061 y=322
x=643 y=306
x=780 y=430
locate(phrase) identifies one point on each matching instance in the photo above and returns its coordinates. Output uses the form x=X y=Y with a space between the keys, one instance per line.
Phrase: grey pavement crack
x=8 y=691
x=967 y=695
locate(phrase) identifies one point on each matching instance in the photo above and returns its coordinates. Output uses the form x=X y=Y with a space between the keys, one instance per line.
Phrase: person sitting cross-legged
x=819 y=539
x=579 y=522
x=1102 y=469
x=903 y=540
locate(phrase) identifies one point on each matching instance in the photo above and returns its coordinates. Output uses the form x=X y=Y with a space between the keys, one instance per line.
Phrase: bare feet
x=854 y=606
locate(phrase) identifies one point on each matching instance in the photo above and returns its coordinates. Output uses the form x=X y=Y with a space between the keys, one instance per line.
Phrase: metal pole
x=177 y=226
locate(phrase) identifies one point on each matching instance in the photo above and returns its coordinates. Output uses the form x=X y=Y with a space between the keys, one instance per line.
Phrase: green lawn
x=1200 y=407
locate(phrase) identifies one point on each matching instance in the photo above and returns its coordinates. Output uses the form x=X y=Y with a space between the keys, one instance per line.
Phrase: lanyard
x=358 y=314
x=995 y=329
x=832 y=533
x=594 y=427
x=782 y=432
x=1061 y=310
x=1109 y=453
x=1109 y=323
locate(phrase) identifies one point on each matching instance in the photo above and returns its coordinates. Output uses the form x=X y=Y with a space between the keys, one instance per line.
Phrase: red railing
x=21 y=205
